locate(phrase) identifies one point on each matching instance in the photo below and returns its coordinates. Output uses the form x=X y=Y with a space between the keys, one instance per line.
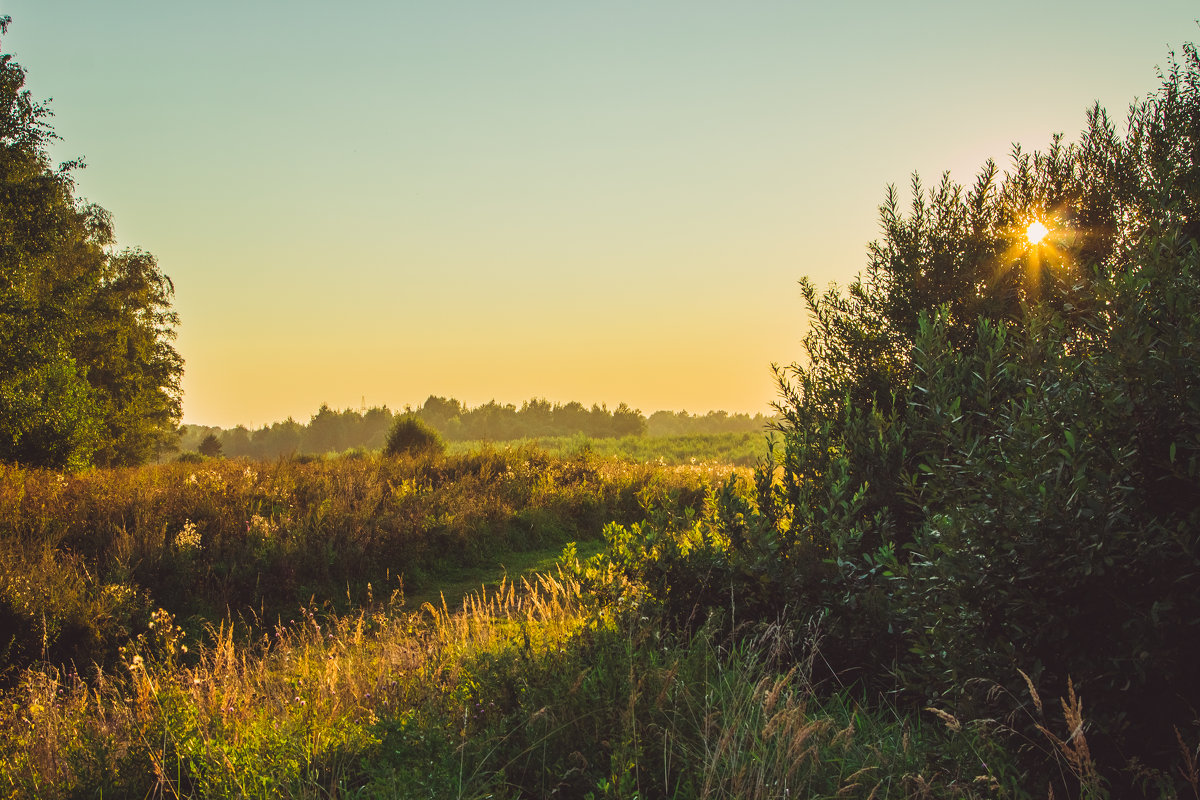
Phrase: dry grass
x=289 y=713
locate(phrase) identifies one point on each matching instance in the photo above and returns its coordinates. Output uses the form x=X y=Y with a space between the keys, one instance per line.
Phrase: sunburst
x=1039 y=243
x=1036 y=232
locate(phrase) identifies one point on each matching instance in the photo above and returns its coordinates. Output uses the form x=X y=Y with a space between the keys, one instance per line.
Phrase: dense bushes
x=991 y=456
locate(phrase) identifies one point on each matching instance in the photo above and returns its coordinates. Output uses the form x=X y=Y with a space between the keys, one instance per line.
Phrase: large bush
x=410 y=434
x=991 y=454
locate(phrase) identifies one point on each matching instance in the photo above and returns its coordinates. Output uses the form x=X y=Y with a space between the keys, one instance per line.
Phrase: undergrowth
x=520 y=693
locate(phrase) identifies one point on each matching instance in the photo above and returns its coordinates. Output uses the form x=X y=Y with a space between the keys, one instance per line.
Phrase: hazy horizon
x=578 y=202
x=364 y=406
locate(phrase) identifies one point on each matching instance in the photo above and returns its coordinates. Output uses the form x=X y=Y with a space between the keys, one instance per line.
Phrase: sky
x=369 y=202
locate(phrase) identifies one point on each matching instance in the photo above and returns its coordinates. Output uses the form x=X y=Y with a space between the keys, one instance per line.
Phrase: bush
x=411 y=435
x=991 y=455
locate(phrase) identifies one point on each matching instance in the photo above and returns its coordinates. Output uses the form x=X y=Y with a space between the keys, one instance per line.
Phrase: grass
x=84 y=559
x=716 y=449
x=454 y=583
x=489 y=673
x=518 y=693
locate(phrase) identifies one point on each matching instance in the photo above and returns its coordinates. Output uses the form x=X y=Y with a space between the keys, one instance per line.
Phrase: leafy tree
x=994 y=445
x=87 y=371
x=411 y=435
x=326 y=431
x=210 y=446
x=437 y=411
x=627 y=421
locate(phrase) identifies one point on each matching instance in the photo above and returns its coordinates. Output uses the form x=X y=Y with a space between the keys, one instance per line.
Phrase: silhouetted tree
x=210 y=446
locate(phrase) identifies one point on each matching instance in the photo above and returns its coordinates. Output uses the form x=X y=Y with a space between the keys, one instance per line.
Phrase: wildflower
x=188 y=537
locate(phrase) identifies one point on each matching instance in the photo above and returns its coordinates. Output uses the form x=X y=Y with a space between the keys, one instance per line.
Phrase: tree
x=991 y=454
x=411 y=435
x=211 y=446
x=88 y=374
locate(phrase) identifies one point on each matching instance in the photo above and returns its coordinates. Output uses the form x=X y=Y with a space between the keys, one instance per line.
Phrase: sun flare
x=1036 y=232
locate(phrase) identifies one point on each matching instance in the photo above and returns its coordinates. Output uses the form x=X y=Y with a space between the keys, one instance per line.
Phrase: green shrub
x=411 y=435
x=991 y=455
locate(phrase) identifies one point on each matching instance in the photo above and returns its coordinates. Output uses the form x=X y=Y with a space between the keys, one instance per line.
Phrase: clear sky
x=606 y=201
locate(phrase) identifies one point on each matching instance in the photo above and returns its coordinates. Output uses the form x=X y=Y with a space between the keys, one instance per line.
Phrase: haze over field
x=603 y=202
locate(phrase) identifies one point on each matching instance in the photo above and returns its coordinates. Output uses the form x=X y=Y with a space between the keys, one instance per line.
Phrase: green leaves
x=87 y=371
x=1005 y=437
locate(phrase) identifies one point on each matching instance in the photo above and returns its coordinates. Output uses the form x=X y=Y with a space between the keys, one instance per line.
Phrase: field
x=249 y=629
x=737 y=449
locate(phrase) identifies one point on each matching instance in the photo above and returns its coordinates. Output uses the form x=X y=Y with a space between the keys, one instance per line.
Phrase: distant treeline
x=330 y=431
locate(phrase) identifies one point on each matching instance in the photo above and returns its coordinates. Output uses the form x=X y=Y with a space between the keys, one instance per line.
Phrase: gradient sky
x=602 y=201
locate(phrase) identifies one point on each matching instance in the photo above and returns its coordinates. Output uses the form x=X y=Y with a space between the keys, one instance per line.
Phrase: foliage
x=210 y=447
x=731 y=449
x=330 y=431
x=991 y=457
x=1014 y=465
x=409 y=435
x=87 y=371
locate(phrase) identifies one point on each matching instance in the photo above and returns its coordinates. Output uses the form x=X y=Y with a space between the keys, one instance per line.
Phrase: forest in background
x=332 y=431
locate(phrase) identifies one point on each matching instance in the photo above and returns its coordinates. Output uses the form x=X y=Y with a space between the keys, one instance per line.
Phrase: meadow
x=966 y=566
x=85 y=556
x=236 y=628
x=277 y=629
x=742 y=449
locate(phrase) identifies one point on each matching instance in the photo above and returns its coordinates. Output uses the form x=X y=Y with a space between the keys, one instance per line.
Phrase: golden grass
x=310 y=694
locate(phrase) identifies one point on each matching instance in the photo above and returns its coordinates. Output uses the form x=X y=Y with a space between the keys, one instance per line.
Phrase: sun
x=1039 y=244
x=1036 y=232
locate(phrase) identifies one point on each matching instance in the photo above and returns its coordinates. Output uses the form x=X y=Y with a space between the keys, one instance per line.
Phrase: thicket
x=410 y=435
x=989 y=479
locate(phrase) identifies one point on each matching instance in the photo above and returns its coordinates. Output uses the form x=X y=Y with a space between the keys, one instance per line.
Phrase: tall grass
x=85 y=558
x=517 y=694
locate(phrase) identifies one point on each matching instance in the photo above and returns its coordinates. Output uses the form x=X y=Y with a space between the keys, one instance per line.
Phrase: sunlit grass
x=519 y=693
x=85 y=559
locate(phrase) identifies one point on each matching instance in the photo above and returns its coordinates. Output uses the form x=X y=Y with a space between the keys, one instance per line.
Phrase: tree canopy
x=88 y=374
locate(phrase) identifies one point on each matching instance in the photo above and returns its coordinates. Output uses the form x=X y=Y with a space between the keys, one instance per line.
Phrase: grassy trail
x=455 y=583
